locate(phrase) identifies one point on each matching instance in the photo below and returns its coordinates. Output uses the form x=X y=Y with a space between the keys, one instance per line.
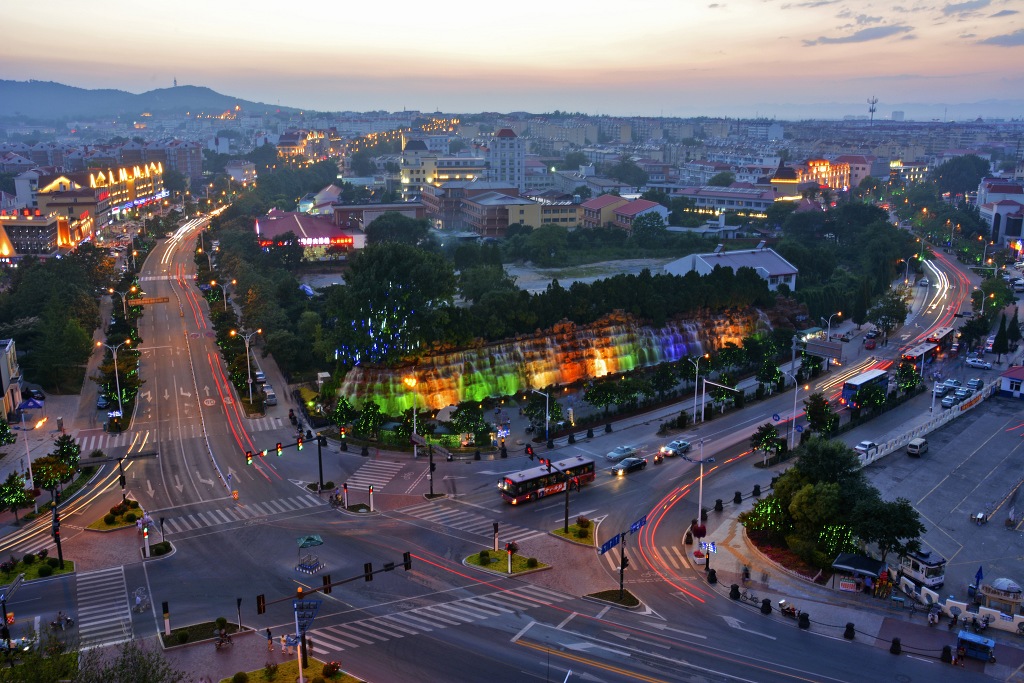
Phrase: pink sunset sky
x=644 y=57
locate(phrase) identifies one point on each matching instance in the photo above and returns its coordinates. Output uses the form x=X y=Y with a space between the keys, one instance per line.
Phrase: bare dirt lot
x=537 y=279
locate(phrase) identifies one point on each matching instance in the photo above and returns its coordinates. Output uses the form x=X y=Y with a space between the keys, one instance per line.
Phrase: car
x=953 y=384
x=259 y=377
x=36 y=394
x=967 y=314
x=871 y=334
x=627 y=465
x=949 y=401
x=621 y=452
x=677 y=447
x=963 y=393
x=923 y=282
x=955 y=348
x=102 y=402
x=870 y=344
x=867 y=448
x=940 y=390
x=975 y=384
x=979 y=364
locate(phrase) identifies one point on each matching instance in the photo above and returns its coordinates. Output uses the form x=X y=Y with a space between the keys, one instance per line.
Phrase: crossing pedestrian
x=270 y=641
x=284 y=643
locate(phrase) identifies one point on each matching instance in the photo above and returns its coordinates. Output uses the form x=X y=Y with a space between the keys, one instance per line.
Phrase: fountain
x=566 y=354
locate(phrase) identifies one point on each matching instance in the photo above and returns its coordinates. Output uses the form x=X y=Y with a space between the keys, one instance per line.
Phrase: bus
x=871 y=378
x=540 y=481
x=920 y=354
x=943 y=337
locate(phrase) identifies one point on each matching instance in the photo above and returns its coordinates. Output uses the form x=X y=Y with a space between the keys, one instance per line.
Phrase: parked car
x=868 y=448
x=871 y=334
x=979 y=363
x=975 y=384
x=621 y=452
x=627 y=465
x=259 y=377
x=950 y=401
x=940 y=390
x=963 y=393
x=677 y=447
x=923 y=282
x=869 y=344
x=953 y=383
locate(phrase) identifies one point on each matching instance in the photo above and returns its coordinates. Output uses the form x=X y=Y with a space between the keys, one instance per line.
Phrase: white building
x=506 y=159
x=768 y=264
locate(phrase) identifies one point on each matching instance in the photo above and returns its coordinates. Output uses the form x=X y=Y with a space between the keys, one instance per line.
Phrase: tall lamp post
x=700 y=486
x=828 y=331
x=124 y=296
x=117 y=375
x=223 y=291
x=209 y=257
x=547 y=413
x=248 y=366
x=696 y=379
x=410 y=382
x=704 y=394
x=796 y=391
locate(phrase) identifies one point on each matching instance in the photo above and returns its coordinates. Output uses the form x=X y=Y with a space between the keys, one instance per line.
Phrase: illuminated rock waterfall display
x=565 y=355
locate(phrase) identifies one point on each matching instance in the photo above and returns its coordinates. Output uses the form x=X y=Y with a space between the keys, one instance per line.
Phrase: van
x=917 y=446
x=269 y=397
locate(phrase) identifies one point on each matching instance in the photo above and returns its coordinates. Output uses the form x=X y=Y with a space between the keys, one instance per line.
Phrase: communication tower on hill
x=872 y=101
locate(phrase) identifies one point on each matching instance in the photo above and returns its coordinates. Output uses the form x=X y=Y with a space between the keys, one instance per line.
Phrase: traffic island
x=627 y=599
x=498 y=562
x=288 y=670
x=581 y=533
x=34 y=566
x=123 y=515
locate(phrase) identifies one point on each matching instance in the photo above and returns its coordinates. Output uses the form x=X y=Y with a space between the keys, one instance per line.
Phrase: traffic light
x=327 y=583
x=248 y=457
x=121 y=480
x=368 y=571
x=263 y=453
x=407 y=560
x=261 y=604
x=298 y=443
x=625 y=562
x=371 y=489
x=529 y=451
x=321 y=440
x=279 y=448
x=343 y=430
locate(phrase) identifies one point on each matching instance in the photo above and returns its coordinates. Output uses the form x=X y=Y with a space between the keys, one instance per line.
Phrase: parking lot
x=974 y=464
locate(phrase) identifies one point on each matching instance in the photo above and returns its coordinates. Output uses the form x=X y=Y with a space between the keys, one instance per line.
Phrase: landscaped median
x=287 y=671
x=581 y=532
x=498 y=561
x=34 y=567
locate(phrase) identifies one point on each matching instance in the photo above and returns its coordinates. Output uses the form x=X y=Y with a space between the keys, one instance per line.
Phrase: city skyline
x=768 y=58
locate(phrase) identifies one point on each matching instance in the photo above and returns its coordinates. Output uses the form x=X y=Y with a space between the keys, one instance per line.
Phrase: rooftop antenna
x=175 y=82
x=872 y=101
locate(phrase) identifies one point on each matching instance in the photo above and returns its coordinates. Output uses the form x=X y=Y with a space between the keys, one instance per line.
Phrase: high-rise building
x=506 y=159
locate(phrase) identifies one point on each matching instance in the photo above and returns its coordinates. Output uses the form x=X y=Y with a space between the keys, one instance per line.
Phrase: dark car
x=628 y=465
x=871 y=334
x=36 y=394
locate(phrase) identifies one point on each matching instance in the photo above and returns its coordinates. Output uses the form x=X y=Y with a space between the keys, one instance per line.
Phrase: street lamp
x=704 y=395
x=984 y=298
x=547 y=413
x=248 y=367
x=223 y=291
x=209 y=257
x=117 y=376
x=696 y=379
x=700 y=486
x=796 y=391
x=828 y=331
x=410 y=382
x=123 y=295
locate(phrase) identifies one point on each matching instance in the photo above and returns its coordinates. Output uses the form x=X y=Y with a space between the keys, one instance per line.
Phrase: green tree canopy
x=395 y=227
x=723 y=179
x=960 y=175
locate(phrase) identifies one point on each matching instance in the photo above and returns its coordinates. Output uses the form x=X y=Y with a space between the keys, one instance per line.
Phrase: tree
x=723 y=179
x=890 y=311
x=13 y=494
x=648 y=229
x=663 y=379
x=892 y=526
x=584 y=192
x=395 y=227
x=820 y=417
x=1013 y=330
x=626 y=171
x=871 y=397
x=67 y=451
x=133 y=663
x=573 y=160
x=468 y=418
x=1001 y=344
x=370 y=419
x=961 y=174
x=765 y=438
x=48 y=473
x=600 y=394
x=768 y=374
x=343 y=413
x=907 y=377
x=6 y=435
x=535 y=407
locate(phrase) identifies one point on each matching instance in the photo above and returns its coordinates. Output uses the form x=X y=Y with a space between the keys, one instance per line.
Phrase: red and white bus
x=541 y=481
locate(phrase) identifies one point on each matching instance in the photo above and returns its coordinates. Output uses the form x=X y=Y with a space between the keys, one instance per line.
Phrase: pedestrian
x=955 y=653
x=284 y=643
x=961 y=654
x=270 y=641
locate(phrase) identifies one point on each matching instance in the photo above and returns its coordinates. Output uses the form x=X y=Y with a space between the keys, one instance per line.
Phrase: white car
x=677 y=447
x=979 y=363
x=867 y=448
x=923 y=282
x=621 y=452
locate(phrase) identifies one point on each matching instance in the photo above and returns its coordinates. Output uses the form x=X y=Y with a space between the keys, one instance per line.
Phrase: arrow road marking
x=206 y=389
x=583 y=647
x=149 y=488
x=735 y=623
x=177 y=484
x=208 y=482
x=166 y=395
x=631 y=637
x=663 y=627
x=186 y=394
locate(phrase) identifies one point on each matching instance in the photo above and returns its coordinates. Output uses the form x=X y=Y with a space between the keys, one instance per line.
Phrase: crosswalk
x=264 y=424
x=104 y=615
x=149 y=278
x=239 y=513
x=96 y=439
x=470 y=522
x=376 y=472
x=672 y=555
x=440 y=616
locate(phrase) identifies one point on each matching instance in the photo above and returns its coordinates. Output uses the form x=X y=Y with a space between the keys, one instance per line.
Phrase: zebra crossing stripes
x=217 y=517
x=374 y=630
x=150 y=278
x=104 y=615
x=671 y=555
x=470 y=522
x=264 y=424
x=376 y=472
x=98 y=440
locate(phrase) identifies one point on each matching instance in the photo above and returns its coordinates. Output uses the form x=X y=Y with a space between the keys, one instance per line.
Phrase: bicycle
x=750 y=597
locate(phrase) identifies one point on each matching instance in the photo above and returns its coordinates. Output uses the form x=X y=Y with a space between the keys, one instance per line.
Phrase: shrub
x=156 y=550
x=332 y=669
x=109 y=518
x=29 y=558
x=130 y=517
x=485 y=556
x=7 y=567
x=581 y=533
x=133 y=504
x=181 y=637
x=43 y=553
x=222 y=623
x=52 y=561
x=318 y=679
x=45 y=570
x=240 y=677
x=583 y=522
x=531 y=562
x=270 y=671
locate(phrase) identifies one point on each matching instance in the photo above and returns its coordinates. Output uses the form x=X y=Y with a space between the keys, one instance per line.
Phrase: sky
x=770 y=58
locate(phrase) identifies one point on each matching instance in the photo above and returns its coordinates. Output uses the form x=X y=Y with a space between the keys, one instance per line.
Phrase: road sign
x=609 y=544
x=825 y=349
x=234 y=494
x=776 y=417
x=638 y=525
x=799 y=428
x=305 y=612
x=147 y=302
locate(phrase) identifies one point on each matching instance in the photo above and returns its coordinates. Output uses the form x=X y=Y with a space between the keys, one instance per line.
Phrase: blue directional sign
x=609 y=544
x=776 y=417
x=305 y=612
x=638 y=525
x=709 y=547
x=799 y=428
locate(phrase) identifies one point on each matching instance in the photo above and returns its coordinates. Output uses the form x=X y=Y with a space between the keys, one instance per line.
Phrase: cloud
x=1015 y=39
x=863 y=36
x=865 y=19
x=963 y=7
x=1004 y=13
x=808 y=4
x=716 y=5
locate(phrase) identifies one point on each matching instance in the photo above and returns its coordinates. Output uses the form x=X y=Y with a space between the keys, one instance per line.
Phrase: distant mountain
x=48 y=101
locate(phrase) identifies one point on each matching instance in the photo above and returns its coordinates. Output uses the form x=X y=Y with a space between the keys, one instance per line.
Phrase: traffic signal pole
x=622 y=565
x=320 y=458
